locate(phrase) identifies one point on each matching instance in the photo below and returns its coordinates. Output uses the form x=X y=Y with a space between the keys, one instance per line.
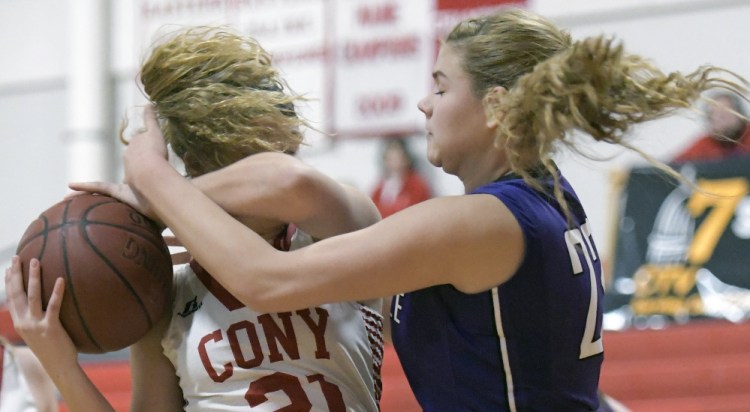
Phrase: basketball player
x=211 y=352
x=498 y=292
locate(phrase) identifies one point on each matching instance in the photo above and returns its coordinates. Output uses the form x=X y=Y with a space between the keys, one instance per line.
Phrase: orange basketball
x=116 y=266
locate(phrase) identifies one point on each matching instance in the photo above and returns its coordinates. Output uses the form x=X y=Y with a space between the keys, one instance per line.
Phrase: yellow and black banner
x=682 y=248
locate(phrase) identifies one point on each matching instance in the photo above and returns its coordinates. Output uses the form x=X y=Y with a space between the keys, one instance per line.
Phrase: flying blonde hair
x=219 y=98
x=556 y=85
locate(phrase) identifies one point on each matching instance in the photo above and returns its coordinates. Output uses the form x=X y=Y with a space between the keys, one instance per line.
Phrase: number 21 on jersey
x=579 y=241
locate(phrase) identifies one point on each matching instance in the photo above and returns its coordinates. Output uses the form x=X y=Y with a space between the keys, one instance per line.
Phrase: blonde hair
x=556 y=85
x=219 y=98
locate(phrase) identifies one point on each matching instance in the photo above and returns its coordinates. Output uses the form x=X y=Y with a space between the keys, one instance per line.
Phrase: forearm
x=41 y=386
x=156 y=386
x=77 y=390
x=254 y=186
x=281 y=187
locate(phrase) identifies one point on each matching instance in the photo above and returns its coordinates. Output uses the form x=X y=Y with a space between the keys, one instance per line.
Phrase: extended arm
x=272 y=186
x=44 y=334
x=439 y=241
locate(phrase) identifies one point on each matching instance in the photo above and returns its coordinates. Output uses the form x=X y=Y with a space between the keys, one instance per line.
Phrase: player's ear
x=491 y=102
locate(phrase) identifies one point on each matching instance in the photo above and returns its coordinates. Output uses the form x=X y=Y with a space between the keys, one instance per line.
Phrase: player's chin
x=433 y=157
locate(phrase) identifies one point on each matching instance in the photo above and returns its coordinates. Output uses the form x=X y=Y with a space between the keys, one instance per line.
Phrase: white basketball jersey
x=230 y=358
x=15 y=395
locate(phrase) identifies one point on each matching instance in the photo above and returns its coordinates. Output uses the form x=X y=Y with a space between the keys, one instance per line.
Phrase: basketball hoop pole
x=88 y=85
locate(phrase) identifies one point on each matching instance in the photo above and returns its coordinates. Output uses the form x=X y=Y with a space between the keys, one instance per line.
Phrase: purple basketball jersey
x=531 y=344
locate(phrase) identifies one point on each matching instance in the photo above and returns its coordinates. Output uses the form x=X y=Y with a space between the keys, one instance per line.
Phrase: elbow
x=257 y=302
x=263 y=303
x=306 y=188
x=257 y=290
x=298 y=178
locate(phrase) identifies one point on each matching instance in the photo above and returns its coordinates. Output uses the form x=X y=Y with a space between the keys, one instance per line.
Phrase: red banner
x=364 y=63
x=474 y=4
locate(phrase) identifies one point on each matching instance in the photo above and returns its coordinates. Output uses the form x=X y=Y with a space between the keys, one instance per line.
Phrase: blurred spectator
x=400 y=185
x=727 y=134
x=24 y=385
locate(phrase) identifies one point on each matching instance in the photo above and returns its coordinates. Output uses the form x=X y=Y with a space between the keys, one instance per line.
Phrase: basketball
x=116 y=266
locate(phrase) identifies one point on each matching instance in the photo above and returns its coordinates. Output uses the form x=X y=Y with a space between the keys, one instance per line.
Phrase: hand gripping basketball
x=116 y=266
